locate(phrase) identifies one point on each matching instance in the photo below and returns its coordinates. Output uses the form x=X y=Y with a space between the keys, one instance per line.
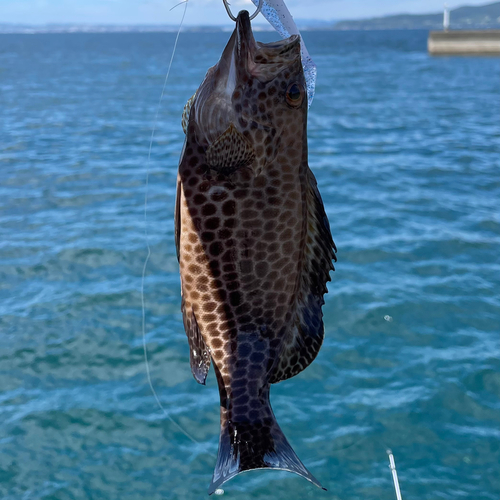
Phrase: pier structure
x=461 y=42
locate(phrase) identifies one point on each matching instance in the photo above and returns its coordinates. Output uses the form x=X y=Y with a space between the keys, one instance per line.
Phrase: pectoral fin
x=230 y=152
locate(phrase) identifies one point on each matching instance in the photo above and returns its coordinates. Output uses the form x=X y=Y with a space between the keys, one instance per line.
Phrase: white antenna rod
x=392 y=465
x=446 y=18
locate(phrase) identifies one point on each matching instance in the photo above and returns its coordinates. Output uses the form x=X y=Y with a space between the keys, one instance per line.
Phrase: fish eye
x=295 y=95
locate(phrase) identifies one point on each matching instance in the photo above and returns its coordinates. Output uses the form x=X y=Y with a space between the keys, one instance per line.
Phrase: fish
x=253 y=242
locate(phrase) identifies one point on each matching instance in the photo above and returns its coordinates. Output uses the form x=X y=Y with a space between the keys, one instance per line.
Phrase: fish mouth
x=244 y=56
x=243 y=59
x=245 y=41
x=265 y=53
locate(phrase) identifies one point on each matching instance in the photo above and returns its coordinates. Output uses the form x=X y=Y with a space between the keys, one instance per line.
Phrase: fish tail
x=257 y=444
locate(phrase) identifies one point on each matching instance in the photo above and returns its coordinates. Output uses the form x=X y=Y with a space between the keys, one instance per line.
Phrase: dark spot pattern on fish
x=254 y=249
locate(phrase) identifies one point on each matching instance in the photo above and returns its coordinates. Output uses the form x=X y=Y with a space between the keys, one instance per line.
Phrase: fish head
x=252 y=102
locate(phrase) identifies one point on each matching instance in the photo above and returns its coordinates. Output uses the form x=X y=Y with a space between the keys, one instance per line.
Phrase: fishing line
x=144 y=345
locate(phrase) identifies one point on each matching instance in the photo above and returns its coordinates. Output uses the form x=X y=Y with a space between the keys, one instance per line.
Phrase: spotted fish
x=253 y=243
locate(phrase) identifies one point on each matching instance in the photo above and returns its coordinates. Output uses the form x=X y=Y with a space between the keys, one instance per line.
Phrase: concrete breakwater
x=485 y=42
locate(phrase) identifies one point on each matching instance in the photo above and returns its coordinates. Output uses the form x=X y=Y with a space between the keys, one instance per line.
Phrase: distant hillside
x=480 y=17
x=98 y=28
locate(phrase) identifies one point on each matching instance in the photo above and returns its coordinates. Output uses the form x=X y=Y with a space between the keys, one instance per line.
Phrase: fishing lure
x=278 y=15
x=253 y=243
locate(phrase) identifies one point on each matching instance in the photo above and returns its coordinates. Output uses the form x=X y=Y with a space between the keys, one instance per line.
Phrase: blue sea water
x=406 y=149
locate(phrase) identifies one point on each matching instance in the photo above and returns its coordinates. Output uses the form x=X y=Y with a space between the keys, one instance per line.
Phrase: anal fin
x=199 y=355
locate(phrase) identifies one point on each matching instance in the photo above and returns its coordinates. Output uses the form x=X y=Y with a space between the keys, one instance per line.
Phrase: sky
x=200 y=11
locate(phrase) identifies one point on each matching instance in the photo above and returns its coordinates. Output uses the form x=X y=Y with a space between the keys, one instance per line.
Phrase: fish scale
x=253 y=243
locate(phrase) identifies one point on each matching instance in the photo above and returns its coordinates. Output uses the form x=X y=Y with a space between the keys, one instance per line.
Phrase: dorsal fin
x=303 y=341
x=230 y=152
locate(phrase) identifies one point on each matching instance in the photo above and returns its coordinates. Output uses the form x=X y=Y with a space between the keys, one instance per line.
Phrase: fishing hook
x=253 y=16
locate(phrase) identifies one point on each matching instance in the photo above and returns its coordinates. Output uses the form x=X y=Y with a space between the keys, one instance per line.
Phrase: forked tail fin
x=245 y=446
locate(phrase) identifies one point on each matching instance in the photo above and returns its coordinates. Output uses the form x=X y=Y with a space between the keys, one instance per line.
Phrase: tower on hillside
x=446 y=18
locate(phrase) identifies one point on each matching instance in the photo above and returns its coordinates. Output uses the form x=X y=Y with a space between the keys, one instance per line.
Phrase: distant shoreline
x=481 y=17
x=35 y=30
x=213 y=29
